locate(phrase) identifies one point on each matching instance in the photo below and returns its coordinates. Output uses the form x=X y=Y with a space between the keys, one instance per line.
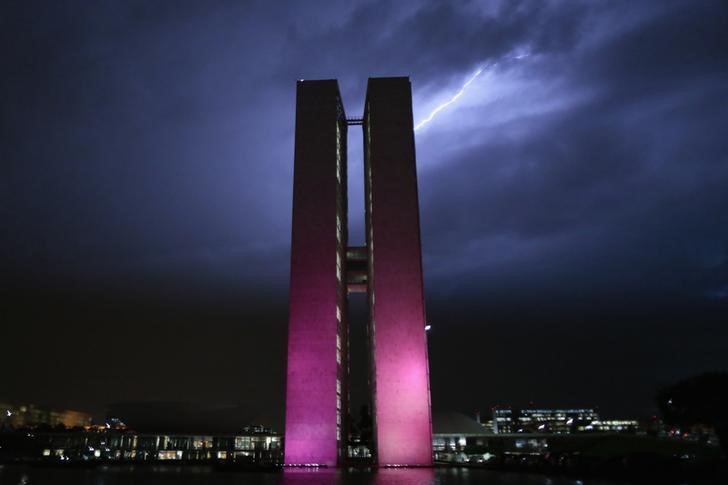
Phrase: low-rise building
x=30 y=416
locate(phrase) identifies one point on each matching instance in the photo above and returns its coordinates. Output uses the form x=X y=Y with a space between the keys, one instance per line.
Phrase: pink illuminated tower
x=324 y=271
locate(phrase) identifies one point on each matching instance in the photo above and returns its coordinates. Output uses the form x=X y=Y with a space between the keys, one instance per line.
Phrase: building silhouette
x=31 y=415
x=325 y=270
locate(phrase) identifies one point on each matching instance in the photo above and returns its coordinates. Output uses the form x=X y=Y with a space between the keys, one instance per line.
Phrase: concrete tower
x=324 y=270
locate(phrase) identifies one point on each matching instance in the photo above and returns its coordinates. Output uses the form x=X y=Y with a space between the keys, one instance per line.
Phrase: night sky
x=574 y=197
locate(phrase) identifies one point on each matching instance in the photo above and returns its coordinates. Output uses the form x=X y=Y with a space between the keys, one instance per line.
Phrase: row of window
x=339 y=276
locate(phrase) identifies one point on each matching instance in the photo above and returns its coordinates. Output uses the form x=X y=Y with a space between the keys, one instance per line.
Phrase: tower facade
x=324 y=270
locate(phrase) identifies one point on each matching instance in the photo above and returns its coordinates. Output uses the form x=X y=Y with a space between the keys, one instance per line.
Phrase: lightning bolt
x=449 y=101
x=463 y=88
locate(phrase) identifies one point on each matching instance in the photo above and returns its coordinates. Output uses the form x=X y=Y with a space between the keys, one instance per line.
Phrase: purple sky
x=574 y=198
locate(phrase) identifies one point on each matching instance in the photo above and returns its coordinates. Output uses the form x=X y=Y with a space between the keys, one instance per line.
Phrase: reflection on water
x=194 y=475
x=387 y=476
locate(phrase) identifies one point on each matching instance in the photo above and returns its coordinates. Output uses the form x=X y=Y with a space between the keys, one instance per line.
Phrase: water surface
x=194 y=475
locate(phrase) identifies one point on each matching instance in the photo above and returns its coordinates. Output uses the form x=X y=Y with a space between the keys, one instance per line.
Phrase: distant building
x=558 y=421
x=502 y=421
x=30 y=416
x=454 y=433
x=252 y=447
x=612 y=426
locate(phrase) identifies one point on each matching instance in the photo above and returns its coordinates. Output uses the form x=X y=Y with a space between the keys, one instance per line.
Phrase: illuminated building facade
x=30 y=415
x=611 y=426
x=245 y=448
x=502 y=420
x=324 y=270
x=559 y=421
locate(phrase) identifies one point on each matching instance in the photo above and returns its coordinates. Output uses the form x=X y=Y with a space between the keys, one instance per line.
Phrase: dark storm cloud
x=138 y=137
x=633 y=175
x=425 y=40
x=596 y=224
x=575 y=192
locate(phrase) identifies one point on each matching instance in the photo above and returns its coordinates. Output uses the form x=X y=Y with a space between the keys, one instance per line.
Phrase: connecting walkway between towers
x=357 y=269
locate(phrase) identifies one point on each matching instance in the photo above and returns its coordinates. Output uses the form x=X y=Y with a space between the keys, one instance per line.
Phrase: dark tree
x=702 y=399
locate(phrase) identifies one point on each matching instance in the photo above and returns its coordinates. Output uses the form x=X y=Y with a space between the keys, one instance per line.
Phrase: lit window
x=338 y=266
x=338 y=153
x=338 y=314
x=338 y=356
x=339 y=232
x=338 y=344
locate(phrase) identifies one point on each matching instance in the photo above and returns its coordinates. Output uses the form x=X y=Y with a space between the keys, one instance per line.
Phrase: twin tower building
x=325 y=270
